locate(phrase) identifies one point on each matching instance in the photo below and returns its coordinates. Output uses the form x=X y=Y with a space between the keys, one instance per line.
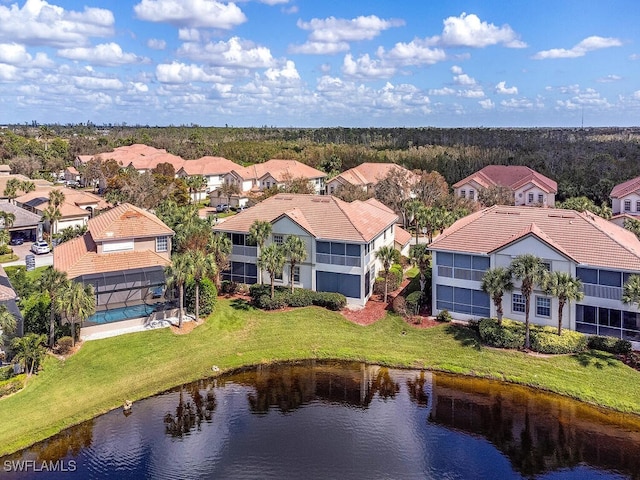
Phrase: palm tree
x=76 y=302
x=421 y=258
x=178 y=273
x=386 y=255
x=29 y=350
x=7 y=219
x=495 y=282
x=565 y=288
x=53 y=281
x=531 y=271
x=631 y=290
x=27 y=186
x=259 y=232
x=195 y=184
x=272 y=259
x=52 y=215
x=8 y=324
x=296 y=250
x=204 y=265
x=412 y=208
x=220 y=247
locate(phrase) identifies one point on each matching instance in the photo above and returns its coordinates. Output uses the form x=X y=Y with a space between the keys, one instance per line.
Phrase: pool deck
x=161 y=319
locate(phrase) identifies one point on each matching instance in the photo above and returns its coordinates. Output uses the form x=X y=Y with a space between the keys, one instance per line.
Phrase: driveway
x=23 y=250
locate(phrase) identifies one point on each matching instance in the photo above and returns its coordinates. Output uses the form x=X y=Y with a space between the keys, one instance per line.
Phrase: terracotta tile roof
x=279 y=170
x=126 y=221
x=79 y=257
x=39 y=183
x=6 y=290
x=208 y=166
x=72 y=170
x=326 y=217
x=74 y=200
x=513 y=176
x=368 y=173
x=23 y=218
x=141 y=157
x=585 y=237
x=402 y=237
x=625 y=188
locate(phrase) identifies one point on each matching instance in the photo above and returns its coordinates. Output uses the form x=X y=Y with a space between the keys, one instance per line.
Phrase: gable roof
x=279 y=170
x=402 y=237
x=512 y=176
x=584 y=237
x=325 y=217
x=126 y=221
x=208 y=165
x=625 y=188
x=74 y=200
x=141 y=157
x=368 y=173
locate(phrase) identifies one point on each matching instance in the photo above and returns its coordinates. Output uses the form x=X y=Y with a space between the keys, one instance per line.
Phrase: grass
x=105 y=373
x=9 y=257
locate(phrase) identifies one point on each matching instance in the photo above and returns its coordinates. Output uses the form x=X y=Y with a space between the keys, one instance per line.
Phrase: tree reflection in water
x=190 y=413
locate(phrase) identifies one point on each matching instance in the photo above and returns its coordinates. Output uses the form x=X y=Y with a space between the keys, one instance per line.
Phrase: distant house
x=71 y=174
x=625 y=201
x=528 y=186
x=341 y=240
x=366 y=176
x=212 y=169
x=599 y=253
x=141 y=157
x=25 y=224
x=5 y=176
x=76 y=210
x=272 y=173
x=123 y=255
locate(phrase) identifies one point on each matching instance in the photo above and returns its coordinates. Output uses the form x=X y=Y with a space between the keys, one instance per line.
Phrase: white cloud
x=17 y=55
x=287 y=73
x=415 y=52
x=587 y=98
x=464 y=79
x=587 y=45
x=609 y=79
x=365 y=67
x=8 y=73
x=177 y=72
x=39 y=23
x=95 y=83
x=236 y=52
x=445 y=91
x=456 y=70
x=191 y=13
x=189 y=34
x=108 y=54
x=470 y=31
x=636 y=95
x=487 y=104
x=331 y=35
x=471 y=93
x=502 y=89
x=156 y=44
x=517 y=104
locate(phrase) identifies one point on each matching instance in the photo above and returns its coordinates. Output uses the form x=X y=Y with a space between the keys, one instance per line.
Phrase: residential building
x=39 y=183
x=602 y=255
x=261 y=176
x=25 y=223
x=366 y=176
x=123 y=255
x=76 y=210
x=212 y=169
x=141 y=157
x=9 y=299
x=528 y=186
x=341 y=240
x=625 y=200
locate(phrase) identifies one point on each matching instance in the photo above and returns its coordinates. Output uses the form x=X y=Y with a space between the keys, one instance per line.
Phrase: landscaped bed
x=105 y=373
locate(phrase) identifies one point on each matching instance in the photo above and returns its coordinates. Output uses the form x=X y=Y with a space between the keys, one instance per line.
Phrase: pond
x=316 y=420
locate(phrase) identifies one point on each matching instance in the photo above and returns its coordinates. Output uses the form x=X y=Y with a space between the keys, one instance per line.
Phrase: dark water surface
x=342 y=421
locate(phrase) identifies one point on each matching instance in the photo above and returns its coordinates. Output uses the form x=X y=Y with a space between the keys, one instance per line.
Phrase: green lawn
x=104 y=373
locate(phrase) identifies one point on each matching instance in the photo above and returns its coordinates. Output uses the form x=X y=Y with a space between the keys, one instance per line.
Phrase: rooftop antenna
x=582 y=121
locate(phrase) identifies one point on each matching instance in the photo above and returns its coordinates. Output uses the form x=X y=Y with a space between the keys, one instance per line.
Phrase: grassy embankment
x=106 y=372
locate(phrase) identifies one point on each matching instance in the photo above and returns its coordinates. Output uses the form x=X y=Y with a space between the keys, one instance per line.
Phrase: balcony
x=245 y=251
x=602 y=291
x=338 y=260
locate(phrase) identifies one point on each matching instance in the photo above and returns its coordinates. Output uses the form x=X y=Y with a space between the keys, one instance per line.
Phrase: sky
x=321 y=63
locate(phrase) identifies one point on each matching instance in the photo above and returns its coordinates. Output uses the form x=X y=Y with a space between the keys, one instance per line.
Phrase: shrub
x=257 y=290
x=508 y=335
x=399 y=306
x=265 y=302
x=6 y=373
x=301 y=297
x=330 y=300
x=547 y=340
x=63 y=345
x=414 y=300
x=13 y=385
x=609 y=344
x=5 y=250
x=208 y=296
x=228 y=287
x=444 y=316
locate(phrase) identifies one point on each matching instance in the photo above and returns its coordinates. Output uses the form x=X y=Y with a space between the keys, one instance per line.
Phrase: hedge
x=508 y=335
x=301 y=297
x=609 y=344
x=208 y=296
x=13 y=385
x=547 y=340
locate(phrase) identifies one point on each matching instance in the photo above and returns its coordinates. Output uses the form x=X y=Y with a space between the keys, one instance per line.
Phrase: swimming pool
x=121 y=313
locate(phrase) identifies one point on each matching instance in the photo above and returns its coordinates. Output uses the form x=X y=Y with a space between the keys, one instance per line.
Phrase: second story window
x=471 y=194
x=531 y=198
x=627 y=205
x=278 y=239
x=463 y=193
x=162 y=244
x=540 y=198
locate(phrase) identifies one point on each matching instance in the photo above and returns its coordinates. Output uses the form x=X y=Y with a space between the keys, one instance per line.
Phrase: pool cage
x=126 y=288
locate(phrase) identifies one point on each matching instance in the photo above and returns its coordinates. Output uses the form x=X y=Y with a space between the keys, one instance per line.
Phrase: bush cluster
x=395 y=279
x=229 y=287
x=13 y=385
x=208 y=296
x=543 y=339
x=63 y=345
x=444 y=316
x=300 y=297
x=616 y=346
x=399 y=306
x=414 y=301
x=6 y=373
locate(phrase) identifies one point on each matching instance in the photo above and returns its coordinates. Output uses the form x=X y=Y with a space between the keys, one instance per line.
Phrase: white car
x=40 y=247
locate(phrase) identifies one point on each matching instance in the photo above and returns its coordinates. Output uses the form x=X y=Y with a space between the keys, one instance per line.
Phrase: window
x=296 y=274
x=627 y=205
x=162 y=244
x=531 y=198
x=463 y=193
x=547 y=266
x=517 y=303
x=543 y=307
x=637 y=206
x=278 y=275
x=278 y=239
x=471 y=194
x=462 y=300
x=540 y=198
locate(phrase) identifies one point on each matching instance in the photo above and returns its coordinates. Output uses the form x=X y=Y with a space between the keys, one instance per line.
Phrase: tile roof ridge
x=341 y=204
x=591 y=218
x=463 y=222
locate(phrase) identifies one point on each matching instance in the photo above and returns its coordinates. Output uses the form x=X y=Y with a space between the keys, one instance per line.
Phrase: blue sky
x=315 y=63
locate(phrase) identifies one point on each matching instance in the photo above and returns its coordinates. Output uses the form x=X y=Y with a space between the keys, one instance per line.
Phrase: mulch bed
x=375 y=309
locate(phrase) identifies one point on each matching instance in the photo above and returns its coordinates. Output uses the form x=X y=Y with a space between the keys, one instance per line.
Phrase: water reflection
x=348 y=420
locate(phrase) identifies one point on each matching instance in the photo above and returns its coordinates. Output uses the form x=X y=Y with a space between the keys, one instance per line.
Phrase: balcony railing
x=602 y=291
x=460 y=273
x=338 y=260
x=245 y=251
